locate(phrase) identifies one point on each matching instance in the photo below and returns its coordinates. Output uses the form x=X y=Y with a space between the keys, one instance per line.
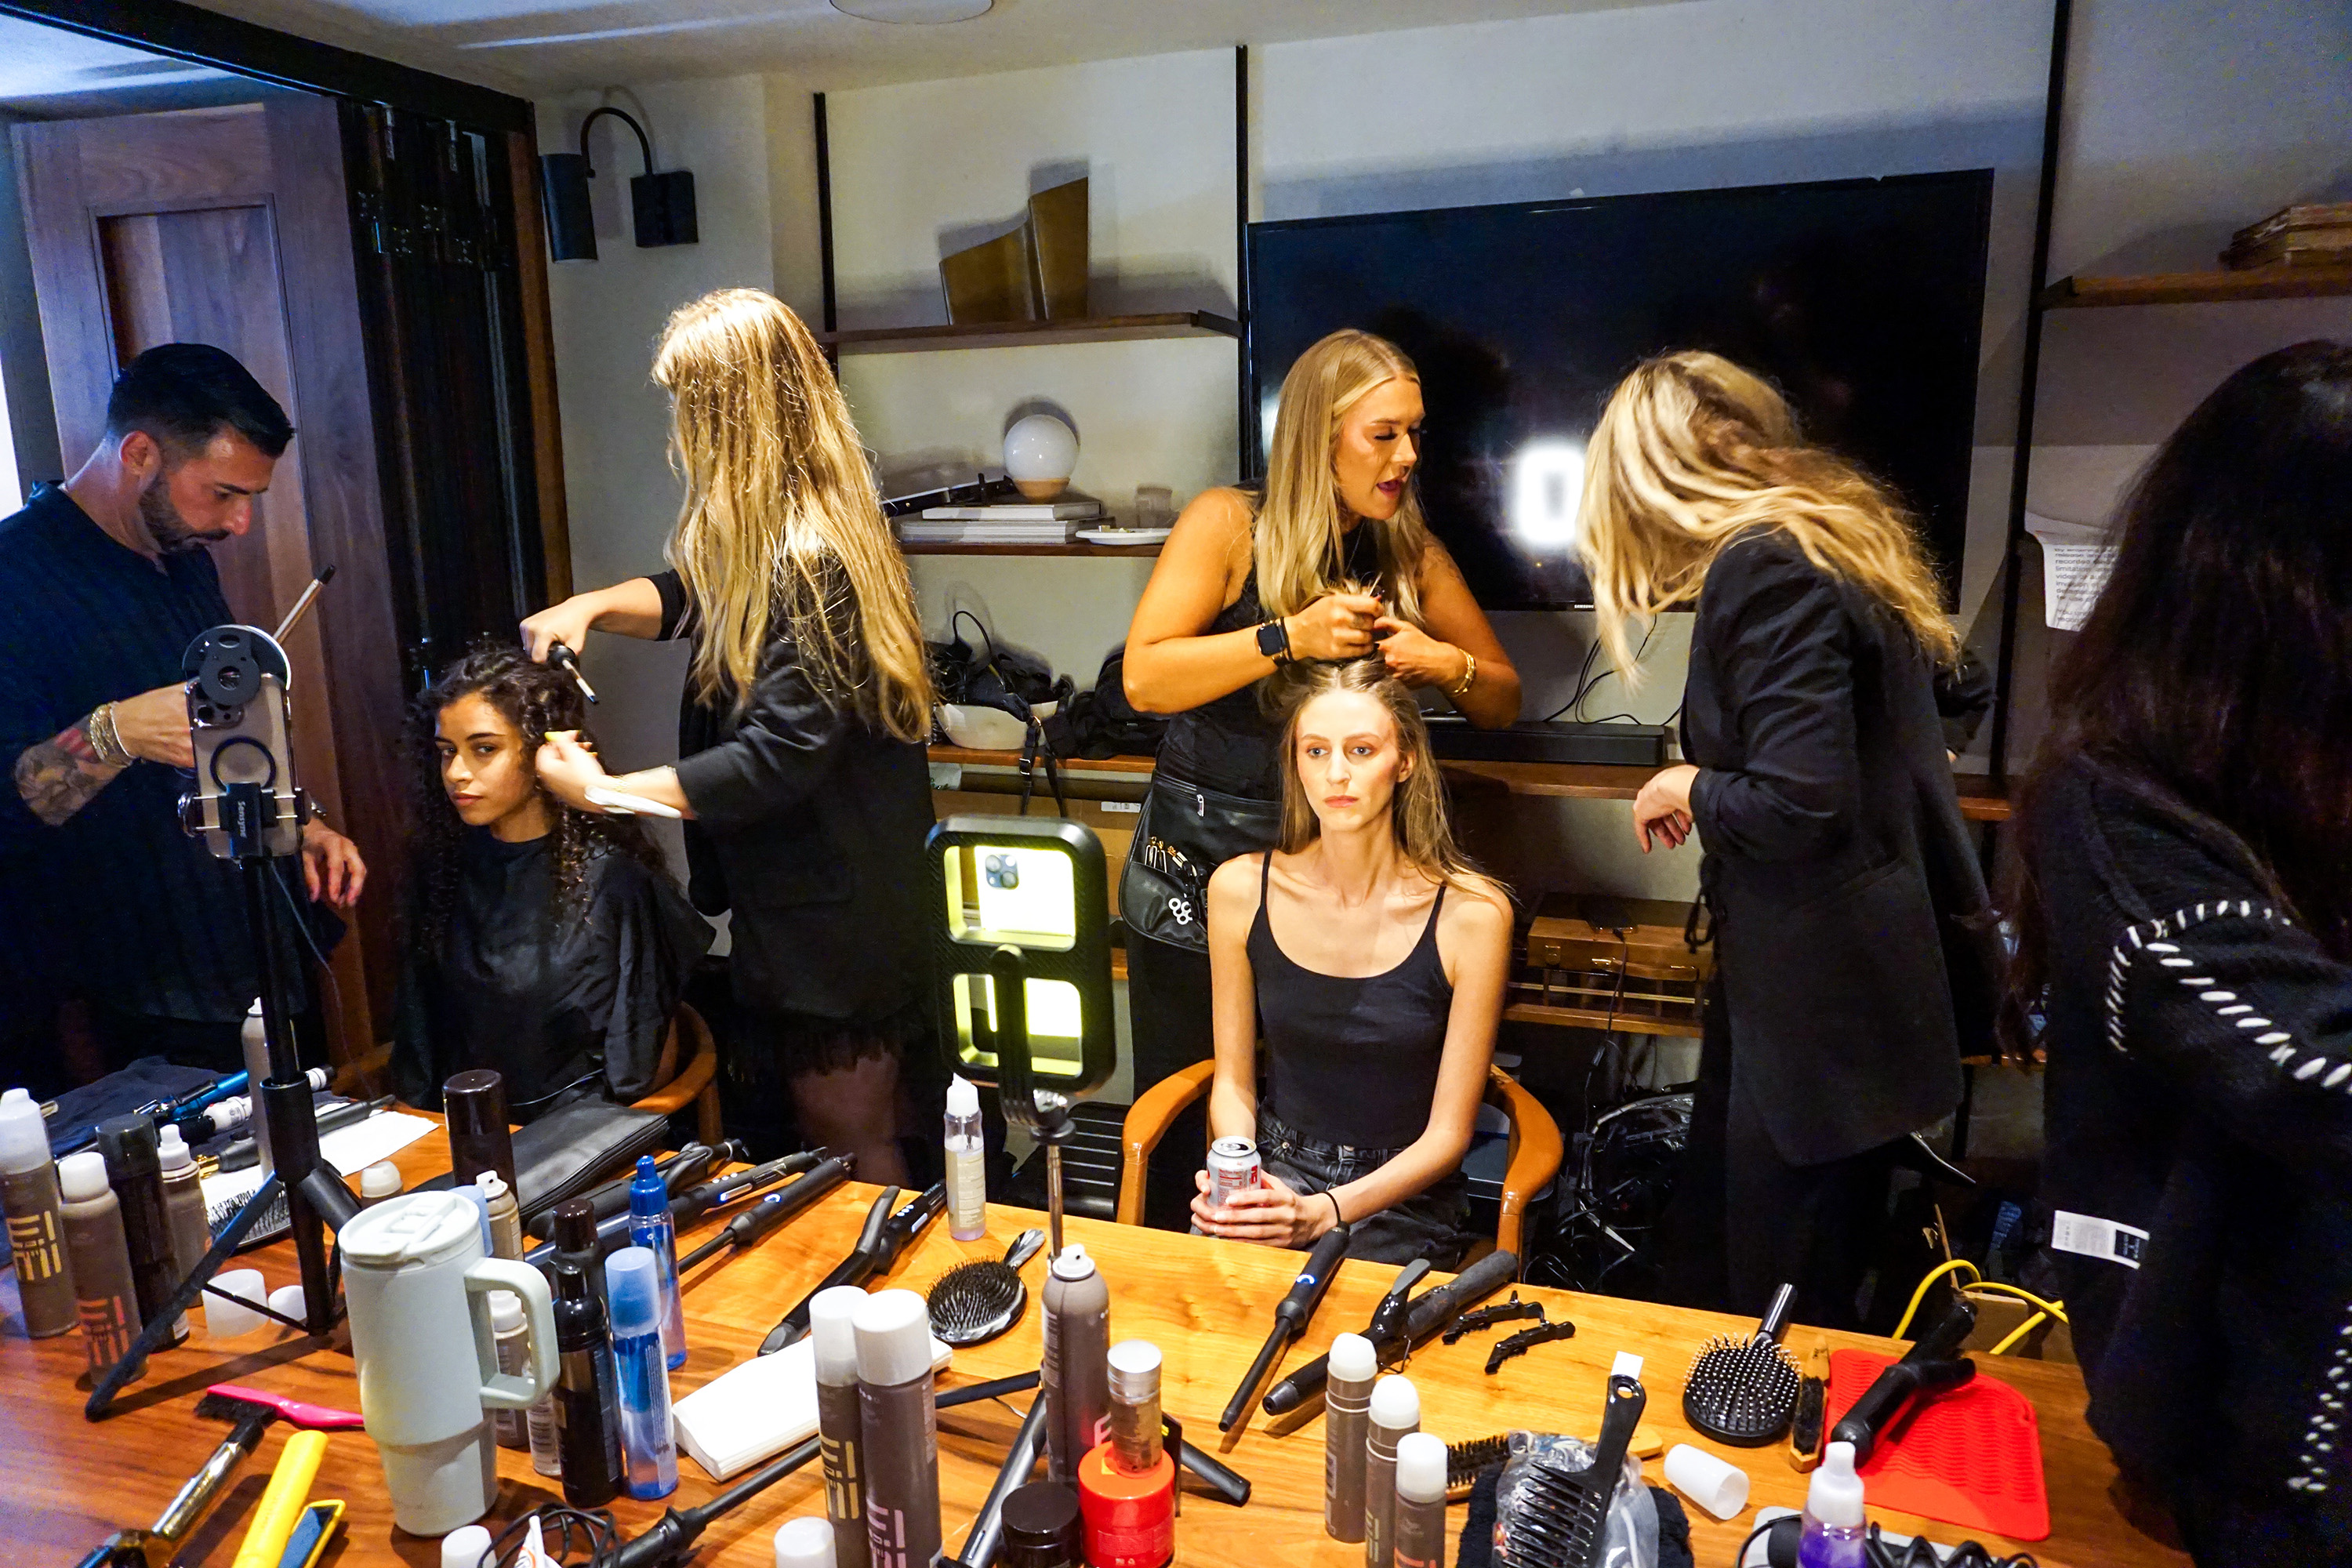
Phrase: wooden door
x=232 y=226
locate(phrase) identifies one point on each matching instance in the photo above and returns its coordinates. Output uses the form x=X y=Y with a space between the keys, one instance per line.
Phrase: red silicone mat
x=1970 y=1458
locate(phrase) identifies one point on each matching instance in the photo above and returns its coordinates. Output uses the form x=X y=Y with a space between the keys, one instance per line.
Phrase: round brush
x=975 y=1302
x=1743 y=1391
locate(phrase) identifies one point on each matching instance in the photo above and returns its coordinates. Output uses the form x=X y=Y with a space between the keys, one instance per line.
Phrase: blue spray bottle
x=648 y=1448
x=651 y=1227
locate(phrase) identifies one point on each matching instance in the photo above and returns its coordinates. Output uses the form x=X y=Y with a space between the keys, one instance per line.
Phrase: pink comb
x=319 y=1418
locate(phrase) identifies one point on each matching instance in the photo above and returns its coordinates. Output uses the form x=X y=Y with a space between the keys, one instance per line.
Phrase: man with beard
x=106 y=581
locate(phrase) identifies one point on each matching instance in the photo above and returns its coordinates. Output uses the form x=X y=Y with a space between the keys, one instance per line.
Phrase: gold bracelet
x=105 y=741
x=1469 y=674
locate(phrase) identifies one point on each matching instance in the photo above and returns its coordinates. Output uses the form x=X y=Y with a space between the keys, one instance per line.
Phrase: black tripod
x=248 y=818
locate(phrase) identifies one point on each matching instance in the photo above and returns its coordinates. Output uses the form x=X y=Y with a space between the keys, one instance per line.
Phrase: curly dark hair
x=534 y=698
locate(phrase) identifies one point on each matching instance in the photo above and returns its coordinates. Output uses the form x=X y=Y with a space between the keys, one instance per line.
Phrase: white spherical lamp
x=1040 y=452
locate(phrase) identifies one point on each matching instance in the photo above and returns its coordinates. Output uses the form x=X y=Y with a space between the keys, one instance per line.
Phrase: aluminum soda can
x=1233 y=1165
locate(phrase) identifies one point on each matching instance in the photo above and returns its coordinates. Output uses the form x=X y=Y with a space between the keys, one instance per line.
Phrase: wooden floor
x=66 y=1484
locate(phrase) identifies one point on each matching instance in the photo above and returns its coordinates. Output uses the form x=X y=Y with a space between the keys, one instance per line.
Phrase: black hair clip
x=1518 y=1344
x=1479 y=1319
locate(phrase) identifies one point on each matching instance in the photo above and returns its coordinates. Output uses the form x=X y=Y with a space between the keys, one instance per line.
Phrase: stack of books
x=1019 y=523
x=2317 y=234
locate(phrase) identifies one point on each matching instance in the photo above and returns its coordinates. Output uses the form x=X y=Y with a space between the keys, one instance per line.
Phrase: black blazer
x=809 y=824
x=1853 y=939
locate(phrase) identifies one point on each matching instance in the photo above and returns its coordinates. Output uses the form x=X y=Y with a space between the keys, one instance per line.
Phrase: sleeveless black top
x=1230 y=744
x=1324 y=1031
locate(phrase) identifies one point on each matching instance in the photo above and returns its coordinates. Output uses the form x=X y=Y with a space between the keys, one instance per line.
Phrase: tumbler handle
x=504 y=1391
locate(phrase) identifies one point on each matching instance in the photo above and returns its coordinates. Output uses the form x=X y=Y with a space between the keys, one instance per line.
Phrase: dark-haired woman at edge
x=2186 y=923
x=545 y=942
x=1331 y=559
x=1854 y=952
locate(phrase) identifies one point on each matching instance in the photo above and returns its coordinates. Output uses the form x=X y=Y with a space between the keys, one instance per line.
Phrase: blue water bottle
x=651 y=1227
x=648 y=1449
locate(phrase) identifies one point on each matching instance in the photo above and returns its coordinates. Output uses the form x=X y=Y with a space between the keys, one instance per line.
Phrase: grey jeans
x=1432 y=1224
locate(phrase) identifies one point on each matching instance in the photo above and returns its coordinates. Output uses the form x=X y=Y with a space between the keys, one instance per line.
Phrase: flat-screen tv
x=1861 y=299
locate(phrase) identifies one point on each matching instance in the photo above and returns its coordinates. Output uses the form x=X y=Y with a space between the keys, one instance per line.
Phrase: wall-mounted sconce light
x=662 y=205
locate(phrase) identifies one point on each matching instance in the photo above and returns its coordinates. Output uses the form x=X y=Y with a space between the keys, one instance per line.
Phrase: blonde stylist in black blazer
x=1855 y=959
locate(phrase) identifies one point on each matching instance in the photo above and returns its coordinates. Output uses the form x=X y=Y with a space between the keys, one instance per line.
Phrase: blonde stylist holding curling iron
x=1329 y=561
x=807 y=705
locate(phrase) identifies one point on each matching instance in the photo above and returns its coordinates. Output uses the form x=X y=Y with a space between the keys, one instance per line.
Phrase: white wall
x=2184 y=121
x=2183 y=124
x=922 y=170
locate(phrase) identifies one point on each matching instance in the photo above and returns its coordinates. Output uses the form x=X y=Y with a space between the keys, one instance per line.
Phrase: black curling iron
x=885 y=1235
x=673 y=1535
x=1930 y=1367
x=1398 y=1324
x=679 y=1172
x=1291 y=1316
x=774 y=1209
x=686 y=1208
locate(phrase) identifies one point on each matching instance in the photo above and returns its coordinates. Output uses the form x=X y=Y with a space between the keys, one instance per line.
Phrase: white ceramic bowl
x=981 y=729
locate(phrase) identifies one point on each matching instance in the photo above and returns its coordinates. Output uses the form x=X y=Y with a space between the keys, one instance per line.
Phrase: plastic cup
x=288 y=1302
x=225 y=1320
x=1715 y=1485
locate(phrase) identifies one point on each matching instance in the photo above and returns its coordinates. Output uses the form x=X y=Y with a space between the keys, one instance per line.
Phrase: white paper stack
x=757 y=1410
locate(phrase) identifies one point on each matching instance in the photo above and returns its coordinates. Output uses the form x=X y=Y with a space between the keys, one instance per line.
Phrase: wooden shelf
x=1080 y=547
x=969 y=757
x=2199 y=288
x=1982 y=799
x=1011 y=334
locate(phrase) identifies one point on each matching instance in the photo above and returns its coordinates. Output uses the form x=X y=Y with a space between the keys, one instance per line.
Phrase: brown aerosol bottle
x=29 y=1195
x=841 y=1440
x=1396 y=1410
x=1421 y=1500
x=1073 y=1378
x=474 y=1102
x=183 y=1204
x=1347 y=1409
x=104 y=1296
x=900 y=1429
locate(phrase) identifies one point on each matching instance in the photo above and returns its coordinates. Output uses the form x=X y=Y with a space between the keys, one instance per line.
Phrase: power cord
x=597 y=1535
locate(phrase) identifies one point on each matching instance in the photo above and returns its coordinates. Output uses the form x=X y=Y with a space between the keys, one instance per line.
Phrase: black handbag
x=573 y=1148
x=1184 y=833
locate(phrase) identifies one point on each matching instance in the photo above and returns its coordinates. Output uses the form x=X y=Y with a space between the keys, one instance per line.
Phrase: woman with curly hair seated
x=547 y=943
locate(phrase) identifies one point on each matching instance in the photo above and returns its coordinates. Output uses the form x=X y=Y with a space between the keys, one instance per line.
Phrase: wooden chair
x=675 y=1088
x=1534 y=1156
x=695 y=1082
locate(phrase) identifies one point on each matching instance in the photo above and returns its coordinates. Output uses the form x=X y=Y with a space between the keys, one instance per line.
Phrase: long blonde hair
x=1694 y=452
x=1425 y=835
x=780 y=521
x=1297 y=541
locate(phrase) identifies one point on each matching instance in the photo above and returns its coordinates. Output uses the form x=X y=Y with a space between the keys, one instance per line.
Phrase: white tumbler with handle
x=417 y=1286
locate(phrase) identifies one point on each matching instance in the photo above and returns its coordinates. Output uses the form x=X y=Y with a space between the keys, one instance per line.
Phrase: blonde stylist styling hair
x=1298 y=542
x=1691 y=453
x=780 y=520
x=1853 y=939
x=801 y=775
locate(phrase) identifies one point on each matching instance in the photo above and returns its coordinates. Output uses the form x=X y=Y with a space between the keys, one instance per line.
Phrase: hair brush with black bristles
x=1465 y=1462
x=1743 y=1391
x=975 y=1302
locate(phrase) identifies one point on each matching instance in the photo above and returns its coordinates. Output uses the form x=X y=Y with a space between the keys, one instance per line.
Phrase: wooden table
x=65 y=1484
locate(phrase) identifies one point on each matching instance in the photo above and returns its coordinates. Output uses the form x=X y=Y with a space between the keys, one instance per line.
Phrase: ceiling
x=47 y=73
x=540 y=46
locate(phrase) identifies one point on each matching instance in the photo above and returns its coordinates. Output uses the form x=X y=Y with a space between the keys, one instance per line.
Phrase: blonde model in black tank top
x=1375 y=958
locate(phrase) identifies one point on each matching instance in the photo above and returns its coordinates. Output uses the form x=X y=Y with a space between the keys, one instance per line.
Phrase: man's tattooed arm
x=60 y=775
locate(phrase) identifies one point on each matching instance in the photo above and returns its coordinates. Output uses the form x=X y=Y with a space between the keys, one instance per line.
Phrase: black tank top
x=1229 y=744
x=1324 y=1031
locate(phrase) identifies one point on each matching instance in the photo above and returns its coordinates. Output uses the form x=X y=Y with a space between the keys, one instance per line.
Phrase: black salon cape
x=1854 y=940
x=554 y=1000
